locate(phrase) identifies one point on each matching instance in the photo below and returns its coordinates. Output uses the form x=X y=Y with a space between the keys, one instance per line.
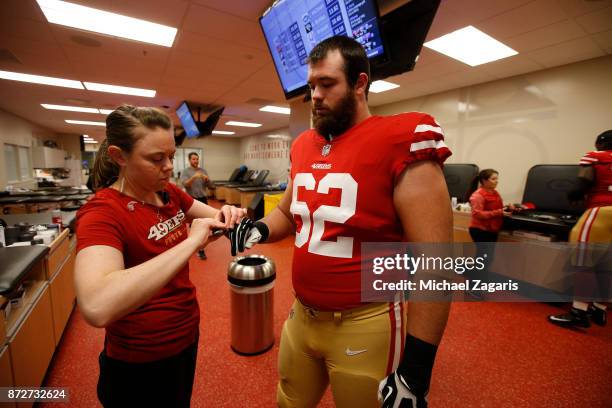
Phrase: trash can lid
x=251 y=270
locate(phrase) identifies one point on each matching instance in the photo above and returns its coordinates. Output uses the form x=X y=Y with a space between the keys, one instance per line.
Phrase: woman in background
x=487 y=218
x=132 y=272
x=487 y=207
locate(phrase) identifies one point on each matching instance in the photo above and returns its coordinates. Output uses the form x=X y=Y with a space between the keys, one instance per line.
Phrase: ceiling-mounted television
x=293 y=27
x=192 y=126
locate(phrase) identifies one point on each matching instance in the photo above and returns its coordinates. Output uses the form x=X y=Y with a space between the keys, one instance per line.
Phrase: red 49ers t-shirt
x=167 y=323
x=343 y=196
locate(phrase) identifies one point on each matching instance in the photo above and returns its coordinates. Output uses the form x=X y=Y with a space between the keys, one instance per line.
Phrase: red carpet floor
x=493 y=354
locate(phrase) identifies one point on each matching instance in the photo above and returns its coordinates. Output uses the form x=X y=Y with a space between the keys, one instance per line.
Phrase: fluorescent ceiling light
x=470 y=46
x=124 y=90
x=43 y=80
x=89 y=141
x=106 y=111
x=382 y=86
x=103 y=22
x=69 y=108
x=85 y=122
x=223 y=132
x=243 y=124
x=276 y=109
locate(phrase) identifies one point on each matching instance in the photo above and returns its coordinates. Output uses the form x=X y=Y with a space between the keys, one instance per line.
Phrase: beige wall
x=220 y=155
x=17 y=131
x=268 y=151
x=545 y=117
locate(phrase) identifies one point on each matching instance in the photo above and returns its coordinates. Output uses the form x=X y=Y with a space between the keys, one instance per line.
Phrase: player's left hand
x=246 y=234
x=394 y=392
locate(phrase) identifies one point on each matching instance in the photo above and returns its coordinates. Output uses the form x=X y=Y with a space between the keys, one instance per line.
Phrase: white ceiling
x=220 y=56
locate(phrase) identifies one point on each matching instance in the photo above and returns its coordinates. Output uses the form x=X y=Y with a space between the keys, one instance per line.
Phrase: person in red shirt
x=594 y=183
x=487 y=218
x=131 y=272
x=487 y=207
x=355 y=178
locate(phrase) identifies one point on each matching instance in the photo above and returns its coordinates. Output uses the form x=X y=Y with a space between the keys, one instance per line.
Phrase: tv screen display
x=189 y=124
x=293 y=27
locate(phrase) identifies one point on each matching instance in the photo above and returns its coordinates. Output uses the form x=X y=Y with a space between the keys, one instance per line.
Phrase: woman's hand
x=230 y=215
x=201 y=230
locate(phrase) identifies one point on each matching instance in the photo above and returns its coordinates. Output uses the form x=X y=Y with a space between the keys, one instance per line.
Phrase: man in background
x=195 y=180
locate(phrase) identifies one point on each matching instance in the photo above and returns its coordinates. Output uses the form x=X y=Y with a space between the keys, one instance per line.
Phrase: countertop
x=68 y=218
x=16 y=262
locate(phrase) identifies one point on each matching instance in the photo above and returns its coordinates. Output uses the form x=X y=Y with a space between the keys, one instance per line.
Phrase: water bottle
x=56 y=218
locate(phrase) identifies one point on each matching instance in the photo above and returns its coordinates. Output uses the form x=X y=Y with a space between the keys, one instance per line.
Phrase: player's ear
x=361 y=86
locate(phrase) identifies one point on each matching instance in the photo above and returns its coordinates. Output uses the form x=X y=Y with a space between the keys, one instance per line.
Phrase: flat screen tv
x=187 y=120
x=194 y=127
x=293 y=27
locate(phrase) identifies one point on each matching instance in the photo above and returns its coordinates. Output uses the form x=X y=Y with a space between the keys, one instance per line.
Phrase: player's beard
x=337 y=120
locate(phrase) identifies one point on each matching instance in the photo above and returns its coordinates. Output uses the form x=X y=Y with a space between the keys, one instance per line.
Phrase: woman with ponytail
x=487 y=207
x=132 y=273
x=487 y=218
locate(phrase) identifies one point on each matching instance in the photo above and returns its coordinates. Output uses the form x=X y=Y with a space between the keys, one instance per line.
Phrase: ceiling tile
x=555 y=33
x=597 y=21
x=531 y=16
x=566 y=53
x=224 y=26
x=248 y=9
x=604 y=40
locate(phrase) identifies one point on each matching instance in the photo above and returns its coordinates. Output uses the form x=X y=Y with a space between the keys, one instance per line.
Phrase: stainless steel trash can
x=251 y=280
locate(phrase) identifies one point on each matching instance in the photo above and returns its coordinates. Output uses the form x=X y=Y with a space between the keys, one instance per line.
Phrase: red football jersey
x=168 y=322
x=599 y=195
x=343 y=196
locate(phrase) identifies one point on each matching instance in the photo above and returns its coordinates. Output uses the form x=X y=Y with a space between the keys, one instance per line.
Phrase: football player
x=355 y=177
x=594 y=226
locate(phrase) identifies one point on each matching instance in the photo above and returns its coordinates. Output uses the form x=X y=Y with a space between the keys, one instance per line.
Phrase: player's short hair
x=355 y=58
x=192 y=154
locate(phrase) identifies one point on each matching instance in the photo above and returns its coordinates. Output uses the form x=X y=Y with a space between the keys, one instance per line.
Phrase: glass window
x=10 y=163
x=25 y=169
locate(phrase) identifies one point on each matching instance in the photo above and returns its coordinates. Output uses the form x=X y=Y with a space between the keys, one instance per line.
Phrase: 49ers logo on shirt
x=160 y=230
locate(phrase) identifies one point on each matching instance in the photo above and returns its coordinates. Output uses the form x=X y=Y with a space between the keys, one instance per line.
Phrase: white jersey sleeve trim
x=427 y=144
x=428 y=128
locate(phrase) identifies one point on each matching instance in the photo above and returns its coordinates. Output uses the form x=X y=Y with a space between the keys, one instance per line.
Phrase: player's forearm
x=119 y=292
x=278 y=224
x=427 y=320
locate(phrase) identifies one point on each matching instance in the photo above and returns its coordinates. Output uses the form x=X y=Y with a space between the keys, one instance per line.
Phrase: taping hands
x=246 y=234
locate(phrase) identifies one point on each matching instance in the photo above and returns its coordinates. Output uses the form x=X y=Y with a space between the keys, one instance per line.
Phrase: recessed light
x=276 y=109
x=69 y=108
x=382 y=86
x=223 y=132
x=124 y=90
x=84 y=122
x=43 y=80
x=470 y=46
x=104 y=22
x=243 y=124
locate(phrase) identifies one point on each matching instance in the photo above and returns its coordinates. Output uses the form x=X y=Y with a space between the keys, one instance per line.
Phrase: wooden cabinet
x=461 y=223
x=33 y=345
x=33 y=331
x=62 y=296
x=47 y=158
x=6 y=372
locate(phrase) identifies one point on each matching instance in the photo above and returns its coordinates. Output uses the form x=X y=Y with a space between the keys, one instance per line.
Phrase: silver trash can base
x=251 y=280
